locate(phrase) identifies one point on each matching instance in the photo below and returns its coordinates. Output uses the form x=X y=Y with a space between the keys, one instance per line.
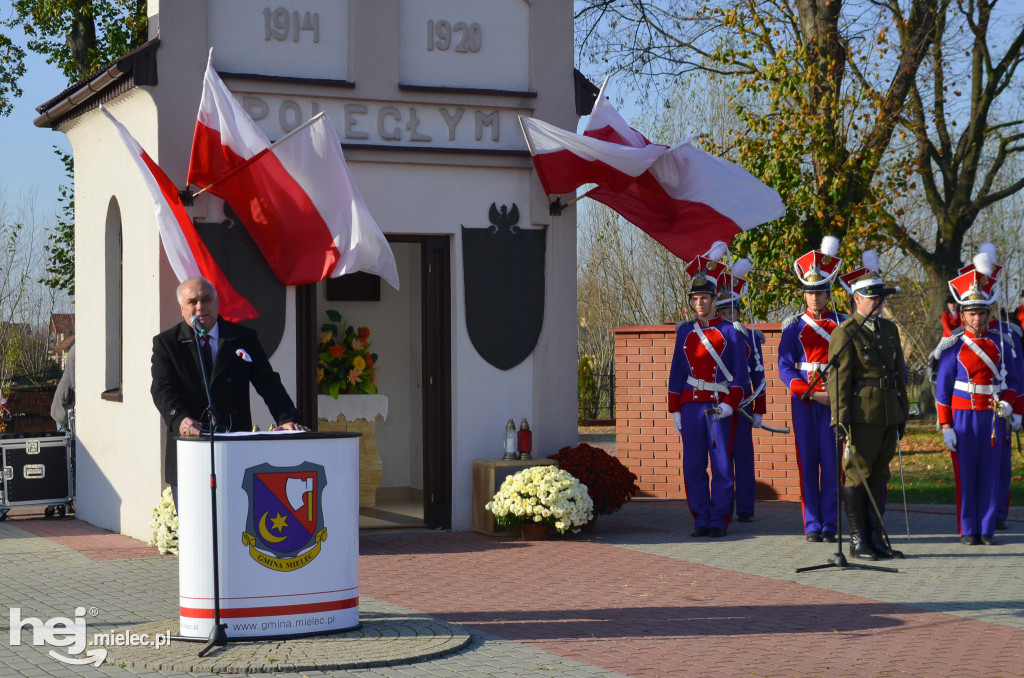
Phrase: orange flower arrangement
x=344 y=361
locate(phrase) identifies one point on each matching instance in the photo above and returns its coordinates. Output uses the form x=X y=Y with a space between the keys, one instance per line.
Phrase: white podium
x=288 y=533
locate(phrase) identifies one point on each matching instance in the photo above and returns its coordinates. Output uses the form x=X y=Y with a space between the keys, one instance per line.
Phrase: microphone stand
x=839 y=559
x=218 y=634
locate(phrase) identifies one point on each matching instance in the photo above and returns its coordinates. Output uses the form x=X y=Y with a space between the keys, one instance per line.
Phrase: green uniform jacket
x=874 y=354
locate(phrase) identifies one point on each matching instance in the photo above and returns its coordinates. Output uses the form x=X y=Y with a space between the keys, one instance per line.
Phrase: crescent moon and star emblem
x=279 y=523
x=285 y=523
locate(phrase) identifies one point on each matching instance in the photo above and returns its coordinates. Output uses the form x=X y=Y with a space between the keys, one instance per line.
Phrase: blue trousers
x=1005 y=474
x=705 y=442
x=743 y=465
x=817 y=460
x=976 y=469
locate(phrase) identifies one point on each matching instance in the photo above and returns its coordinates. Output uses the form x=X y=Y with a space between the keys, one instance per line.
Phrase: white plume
x=830 y=245
x=989 y=249
x=870 y=259
x=718 y=250
x=741 y=268
x=983 y=263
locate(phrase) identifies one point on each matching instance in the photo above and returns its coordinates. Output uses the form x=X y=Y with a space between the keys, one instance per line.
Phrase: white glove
x=1016 y=422
x=757 y=420
x=725 y=411
x=677 y=417
x=949 y=437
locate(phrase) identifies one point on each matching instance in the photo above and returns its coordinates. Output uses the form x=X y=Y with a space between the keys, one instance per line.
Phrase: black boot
x=854 y=499
x=877 y=536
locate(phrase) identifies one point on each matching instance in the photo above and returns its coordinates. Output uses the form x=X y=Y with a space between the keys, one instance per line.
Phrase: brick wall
x=645 y=438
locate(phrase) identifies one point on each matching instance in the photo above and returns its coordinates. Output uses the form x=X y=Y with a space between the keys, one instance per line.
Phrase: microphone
x=197 y=325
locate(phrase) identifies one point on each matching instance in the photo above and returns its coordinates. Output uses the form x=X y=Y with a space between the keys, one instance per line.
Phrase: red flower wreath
x=609 y=483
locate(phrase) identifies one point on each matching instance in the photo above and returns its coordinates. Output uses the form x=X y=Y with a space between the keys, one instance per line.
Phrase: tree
x=79 y=37
x=609 y=293
x=964 y=172
x=807 y=128
x=76 y=36
x=12 y=68
x=25 y=305
x=60 y=248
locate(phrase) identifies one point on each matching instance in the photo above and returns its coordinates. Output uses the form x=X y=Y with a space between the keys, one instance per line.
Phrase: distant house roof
x=62 y=324
x=64 y=345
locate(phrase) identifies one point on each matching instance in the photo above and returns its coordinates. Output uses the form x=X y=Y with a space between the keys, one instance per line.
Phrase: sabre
x=712 y=413
x=750 y=398
x=871 y=499
x=766 y=427
x=903 y=485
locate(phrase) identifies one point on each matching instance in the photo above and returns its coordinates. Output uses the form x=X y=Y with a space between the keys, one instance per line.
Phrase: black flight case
x=38 y=470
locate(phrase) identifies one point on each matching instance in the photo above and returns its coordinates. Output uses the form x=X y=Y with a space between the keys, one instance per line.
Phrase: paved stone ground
x=637 y=597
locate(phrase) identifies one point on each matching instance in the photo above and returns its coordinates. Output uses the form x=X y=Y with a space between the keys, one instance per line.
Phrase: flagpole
x=268 y=149
x=579 y=197
x=554 y=206
x=600 y=92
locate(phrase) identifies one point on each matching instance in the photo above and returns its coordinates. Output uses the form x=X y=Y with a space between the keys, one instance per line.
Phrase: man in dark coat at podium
x=234 y=359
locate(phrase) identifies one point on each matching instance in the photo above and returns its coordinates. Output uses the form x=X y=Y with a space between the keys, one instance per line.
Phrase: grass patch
x=928 y=471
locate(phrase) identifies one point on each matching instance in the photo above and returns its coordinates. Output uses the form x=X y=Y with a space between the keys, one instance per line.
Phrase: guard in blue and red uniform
x=974 y=401
x=1010 y=338
x=754 y=406
x=803 y=355
x=706 y=383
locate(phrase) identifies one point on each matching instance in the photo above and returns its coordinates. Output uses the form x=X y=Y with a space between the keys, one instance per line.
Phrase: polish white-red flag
x=296 y=197
x=684 y=198
x=565 y=160
x=607 y=124
x=225 y=135
x=688 y=199
x=303 y=210
x=185 y=250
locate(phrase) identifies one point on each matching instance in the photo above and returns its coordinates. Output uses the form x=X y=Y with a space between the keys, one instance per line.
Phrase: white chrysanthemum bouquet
x=165 y=524
x=545 y=495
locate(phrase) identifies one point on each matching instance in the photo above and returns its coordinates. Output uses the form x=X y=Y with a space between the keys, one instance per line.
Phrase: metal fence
x=598 y=404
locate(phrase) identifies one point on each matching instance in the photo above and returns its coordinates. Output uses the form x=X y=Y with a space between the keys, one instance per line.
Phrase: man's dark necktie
x=207 y=353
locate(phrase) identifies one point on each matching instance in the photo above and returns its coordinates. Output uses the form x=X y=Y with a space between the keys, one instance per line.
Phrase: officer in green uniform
x=868 y=390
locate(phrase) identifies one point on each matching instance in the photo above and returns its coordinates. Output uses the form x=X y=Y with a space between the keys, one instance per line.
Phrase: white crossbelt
x=702 y=385
x=972 y=388
x=809 y=321
x=996 y=372
x=711 y=349
x=812 y=367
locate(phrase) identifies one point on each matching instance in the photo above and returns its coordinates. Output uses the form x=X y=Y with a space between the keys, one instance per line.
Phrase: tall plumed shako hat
x=705 y=272
x=987 y=257
x=817 y=269
x=733 y=286
x=870 y=283
x=976 y=287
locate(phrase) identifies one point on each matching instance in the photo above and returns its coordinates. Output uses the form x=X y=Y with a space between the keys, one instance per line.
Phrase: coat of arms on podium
x=285 y=525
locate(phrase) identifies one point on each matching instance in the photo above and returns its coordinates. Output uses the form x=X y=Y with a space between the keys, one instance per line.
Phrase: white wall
x=119 y=443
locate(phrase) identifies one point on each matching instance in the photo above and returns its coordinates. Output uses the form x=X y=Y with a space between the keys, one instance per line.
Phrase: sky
x=28 y=165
